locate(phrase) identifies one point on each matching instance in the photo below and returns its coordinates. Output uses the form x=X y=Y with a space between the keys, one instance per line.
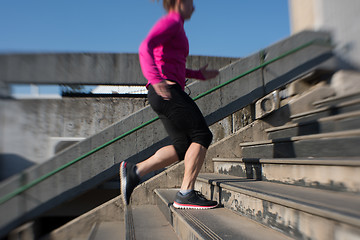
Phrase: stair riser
x=337 y=101
x=107 y=230
x=335 y=178
x=295 y=223
x=345 y=147
x=311 y=117
x=294 y=131
x=326 y=113
x=180 y=226
x=247 y=170
x=317 y=127
x=164 y=209
x=183 y=230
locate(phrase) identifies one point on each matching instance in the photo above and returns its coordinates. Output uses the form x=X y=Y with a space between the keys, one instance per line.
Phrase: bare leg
x=162 y=158
x=165 y=156
x=194 y=159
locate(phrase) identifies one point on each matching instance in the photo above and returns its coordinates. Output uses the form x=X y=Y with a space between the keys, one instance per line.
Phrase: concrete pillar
x=302 y=15
x=334 y=16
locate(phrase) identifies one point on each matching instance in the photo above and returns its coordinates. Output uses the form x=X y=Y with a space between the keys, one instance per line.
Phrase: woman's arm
x=202 y=74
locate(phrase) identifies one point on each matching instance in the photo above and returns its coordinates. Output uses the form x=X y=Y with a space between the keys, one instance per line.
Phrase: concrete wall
x=341 y=18
x=31 y=131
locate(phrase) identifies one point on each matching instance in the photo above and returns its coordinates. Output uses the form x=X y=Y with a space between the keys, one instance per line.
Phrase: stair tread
x=326 y=108
x=333 y=161
x=341 y=206
x=109 y=231
x=314 y=111
x=150 y=222
x=220 y=223
x=323 y=119
x=335 y=98
x=338 y=134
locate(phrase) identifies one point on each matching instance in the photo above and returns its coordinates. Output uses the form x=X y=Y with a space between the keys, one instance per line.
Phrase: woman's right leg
x=169 y=154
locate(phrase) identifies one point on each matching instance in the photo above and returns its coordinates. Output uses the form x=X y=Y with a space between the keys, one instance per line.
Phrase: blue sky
x=230 y=28
x=222 y=28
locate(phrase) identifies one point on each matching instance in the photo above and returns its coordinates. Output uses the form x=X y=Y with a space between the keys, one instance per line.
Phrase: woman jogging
x=163 y=58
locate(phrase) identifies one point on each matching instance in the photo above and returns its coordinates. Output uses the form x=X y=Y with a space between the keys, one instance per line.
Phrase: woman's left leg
x=162 y=158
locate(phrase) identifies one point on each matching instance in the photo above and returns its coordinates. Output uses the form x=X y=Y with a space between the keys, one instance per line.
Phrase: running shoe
x=193 y=199
x=129 y=180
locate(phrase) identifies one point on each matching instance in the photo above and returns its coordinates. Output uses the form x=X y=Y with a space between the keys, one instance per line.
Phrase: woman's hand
x=208 y=74
x=162 y=89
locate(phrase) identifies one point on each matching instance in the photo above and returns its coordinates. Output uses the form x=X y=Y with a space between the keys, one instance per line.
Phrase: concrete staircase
x=228 y=188
x=308 y=187
x=302 y=182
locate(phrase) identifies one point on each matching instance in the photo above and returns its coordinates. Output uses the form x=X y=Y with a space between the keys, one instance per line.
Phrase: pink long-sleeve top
x=163 y=52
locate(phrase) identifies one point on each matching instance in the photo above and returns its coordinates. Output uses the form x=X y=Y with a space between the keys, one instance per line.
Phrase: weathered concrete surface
x=30 y=130
x=253 y=130
x=229 y=146
x=336 y=174
x=80 y=227
x=238 y=167
x=339 y=122
x=342 y=144
x=27 y=231
x=339 y=178
x=346 y=82
x=150 y=222
x=298 y=64
x=304 y=102
x=135 y=147
x=295 y=211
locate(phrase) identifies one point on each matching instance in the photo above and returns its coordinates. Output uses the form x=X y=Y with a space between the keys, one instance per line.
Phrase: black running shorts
x=181 y=118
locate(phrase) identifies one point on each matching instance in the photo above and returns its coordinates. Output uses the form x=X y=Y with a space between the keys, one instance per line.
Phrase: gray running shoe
x=129 y=180
x=193 y=199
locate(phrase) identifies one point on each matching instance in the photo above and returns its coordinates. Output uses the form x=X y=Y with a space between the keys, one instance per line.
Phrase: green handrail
x=42 y=178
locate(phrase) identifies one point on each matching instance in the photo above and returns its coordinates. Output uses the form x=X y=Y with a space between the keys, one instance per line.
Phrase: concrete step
x=331 y=101
x=108 y=231
x=343 y=107
x=336 y=174
x=150 y=223
x=141 y=222
x=218 y=223
x=333 y=144
x=301 y=213
x=340 y=122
